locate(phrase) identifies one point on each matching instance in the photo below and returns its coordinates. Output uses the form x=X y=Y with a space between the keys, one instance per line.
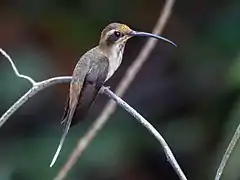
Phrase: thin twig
x=230 y=147
x=36 y=87
x=15 y=69
x=120 y=90
x=228 y=153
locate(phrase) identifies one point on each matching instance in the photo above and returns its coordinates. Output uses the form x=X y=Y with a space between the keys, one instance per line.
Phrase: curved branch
x=15 y=69
x=150 y=128
x=37 y=87
x=110 y=107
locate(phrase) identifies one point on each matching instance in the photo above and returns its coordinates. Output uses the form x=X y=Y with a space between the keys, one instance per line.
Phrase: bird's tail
x=68 y=119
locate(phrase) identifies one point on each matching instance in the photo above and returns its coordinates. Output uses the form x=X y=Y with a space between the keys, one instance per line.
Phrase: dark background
x=190 y=93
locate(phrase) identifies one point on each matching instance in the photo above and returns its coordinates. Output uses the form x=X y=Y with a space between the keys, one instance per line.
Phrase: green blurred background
x=190 y=93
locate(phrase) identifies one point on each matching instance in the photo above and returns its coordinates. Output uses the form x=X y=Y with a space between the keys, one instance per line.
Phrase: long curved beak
x=135 y=33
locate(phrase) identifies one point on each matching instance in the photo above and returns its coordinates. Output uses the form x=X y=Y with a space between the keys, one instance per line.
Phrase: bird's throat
x=114 y=55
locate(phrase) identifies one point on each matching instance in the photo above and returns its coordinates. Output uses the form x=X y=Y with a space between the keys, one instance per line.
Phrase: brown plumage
x=88 y=77
x=94 y=68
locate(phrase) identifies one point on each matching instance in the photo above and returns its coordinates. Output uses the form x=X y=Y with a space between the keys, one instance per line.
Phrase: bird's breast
x=115 y=60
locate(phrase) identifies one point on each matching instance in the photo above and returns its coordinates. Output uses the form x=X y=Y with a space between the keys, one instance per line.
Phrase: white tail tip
x=55 y=156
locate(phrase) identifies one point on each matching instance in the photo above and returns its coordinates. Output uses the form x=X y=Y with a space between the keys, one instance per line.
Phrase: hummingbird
x=93 y=69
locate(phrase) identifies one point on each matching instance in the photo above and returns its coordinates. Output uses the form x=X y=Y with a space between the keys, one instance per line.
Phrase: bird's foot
x=103 y=88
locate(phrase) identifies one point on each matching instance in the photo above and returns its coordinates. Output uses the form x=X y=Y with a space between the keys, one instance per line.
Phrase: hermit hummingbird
x=94 y=68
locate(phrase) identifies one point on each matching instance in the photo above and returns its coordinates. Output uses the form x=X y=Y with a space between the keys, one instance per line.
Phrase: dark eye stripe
x=114 y=37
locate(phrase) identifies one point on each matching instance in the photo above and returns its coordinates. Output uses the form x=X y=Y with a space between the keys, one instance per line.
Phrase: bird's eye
x=117 y=34
x=114 y=37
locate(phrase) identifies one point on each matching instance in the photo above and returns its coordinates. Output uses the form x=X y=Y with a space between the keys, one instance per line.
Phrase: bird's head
x=116 y=34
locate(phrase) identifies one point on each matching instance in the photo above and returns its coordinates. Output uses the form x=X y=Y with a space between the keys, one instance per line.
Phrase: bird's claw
x=107 y=87
x=103 y=88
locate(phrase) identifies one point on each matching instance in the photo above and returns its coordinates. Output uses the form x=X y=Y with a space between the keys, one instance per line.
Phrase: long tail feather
x=65 y=132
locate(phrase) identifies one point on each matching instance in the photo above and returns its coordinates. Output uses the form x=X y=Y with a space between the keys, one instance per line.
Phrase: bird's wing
x=75 y=89
x=82 y=95
x=80 y=72
x=91 y=86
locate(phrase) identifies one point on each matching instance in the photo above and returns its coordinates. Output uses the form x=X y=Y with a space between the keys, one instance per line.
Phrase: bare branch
x=228 y=153
x=15 y=69
x=120 y=90
x=110 y=107
x=37 y=87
